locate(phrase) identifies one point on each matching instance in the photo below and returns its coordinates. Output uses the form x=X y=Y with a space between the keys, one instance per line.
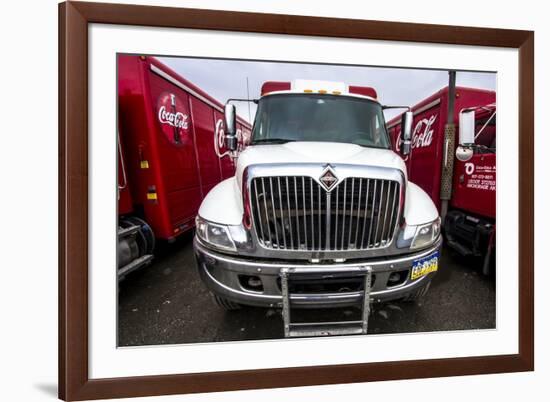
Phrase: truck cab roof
x=318 y=87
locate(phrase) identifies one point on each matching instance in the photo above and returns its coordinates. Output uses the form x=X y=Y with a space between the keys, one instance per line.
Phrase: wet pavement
x=166 y=303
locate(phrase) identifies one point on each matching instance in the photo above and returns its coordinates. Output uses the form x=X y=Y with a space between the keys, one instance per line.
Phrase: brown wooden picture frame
x=74 y=381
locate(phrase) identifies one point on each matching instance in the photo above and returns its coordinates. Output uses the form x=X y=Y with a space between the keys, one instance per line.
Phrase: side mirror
x=464 y=154
x=230 y=117
x=466 y=135
x=466 y=127
x=406 y=132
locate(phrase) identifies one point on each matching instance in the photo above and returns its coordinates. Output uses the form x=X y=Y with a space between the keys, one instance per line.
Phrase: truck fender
x=223 y=204
x=419 y=207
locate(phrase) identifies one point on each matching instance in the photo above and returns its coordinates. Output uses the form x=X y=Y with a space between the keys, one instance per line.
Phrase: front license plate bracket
x=425 y=265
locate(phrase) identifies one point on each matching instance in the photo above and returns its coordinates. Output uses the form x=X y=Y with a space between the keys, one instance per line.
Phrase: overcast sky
x=225 y=79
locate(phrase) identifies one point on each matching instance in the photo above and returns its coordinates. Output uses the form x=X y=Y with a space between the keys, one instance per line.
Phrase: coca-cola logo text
x=174 y=118
x=178 y=119
x=422 y=134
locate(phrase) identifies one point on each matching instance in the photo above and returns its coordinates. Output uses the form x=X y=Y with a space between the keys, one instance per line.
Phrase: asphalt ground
x=166 y=303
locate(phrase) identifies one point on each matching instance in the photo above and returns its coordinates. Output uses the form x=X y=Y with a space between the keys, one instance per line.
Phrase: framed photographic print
x=259 y=200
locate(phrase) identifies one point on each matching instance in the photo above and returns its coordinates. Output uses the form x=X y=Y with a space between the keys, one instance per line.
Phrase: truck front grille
x=296 y=213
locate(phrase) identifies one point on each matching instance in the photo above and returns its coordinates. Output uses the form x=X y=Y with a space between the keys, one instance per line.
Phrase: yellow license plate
x=424 y=266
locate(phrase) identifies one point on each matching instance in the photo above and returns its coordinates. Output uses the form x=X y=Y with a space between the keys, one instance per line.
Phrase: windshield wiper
x=271 y=141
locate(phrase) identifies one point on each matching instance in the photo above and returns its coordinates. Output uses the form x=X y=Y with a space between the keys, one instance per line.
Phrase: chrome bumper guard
x=306 y=329
x=281 y=281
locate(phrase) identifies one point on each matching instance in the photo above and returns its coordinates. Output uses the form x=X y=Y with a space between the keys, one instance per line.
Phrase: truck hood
x=317 y=152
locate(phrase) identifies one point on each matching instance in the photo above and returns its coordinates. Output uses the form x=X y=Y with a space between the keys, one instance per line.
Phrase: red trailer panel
x=167 y=128
x=125 y=203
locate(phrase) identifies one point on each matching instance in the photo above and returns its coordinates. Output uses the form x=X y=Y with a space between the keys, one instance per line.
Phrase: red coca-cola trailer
x=169 y=147
x=469 y=222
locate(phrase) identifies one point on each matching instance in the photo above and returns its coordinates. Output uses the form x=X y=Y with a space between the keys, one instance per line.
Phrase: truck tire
x=227 y=305
x=417 y=295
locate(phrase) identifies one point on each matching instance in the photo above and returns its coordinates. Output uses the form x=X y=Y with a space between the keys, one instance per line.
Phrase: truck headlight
x=419 y=236
x=214 y=234
x=426 y=234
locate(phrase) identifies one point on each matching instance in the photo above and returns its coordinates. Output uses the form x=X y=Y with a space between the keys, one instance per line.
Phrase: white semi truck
x=320 y=212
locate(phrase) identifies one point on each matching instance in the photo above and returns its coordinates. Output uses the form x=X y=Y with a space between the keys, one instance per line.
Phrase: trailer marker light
x=336 y=92
x=322 y=91
x=151 y=196
x=308 y=91
x=144 y=164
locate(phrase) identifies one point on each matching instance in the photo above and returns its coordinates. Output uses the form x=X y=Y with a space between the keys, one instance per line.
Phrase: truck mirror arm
x=479 y=147
x=243 y=100
x=386 y=107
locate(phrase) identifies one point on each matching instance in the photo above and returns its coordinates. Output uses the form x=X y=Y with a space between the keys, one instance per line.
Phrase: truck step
x=461 y=249
x=135 y=264
x=130 y=230
x=325 y=328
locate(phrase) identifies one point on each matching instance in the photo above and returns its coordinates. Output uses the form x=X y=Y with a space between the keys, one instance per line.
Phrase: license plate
x=424 y=266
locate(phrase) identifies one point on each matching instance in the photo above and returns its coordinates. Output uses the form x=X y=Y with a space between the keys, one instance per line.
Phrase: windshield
x=327 y=118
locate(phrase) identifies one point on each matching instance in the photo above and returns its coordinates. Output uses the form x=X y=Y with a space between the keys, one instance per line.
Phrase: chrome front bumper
x=221 y=273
